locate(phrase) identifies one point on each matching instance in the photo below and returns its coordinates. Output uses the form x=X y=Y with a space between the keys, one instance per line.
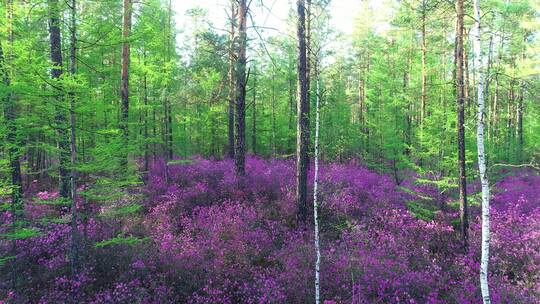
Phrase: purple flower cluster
x=217 y=238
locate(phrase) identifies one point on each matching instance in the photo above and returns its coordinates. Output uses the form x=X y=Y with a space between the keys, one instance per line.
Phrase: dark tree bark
x=302 y=135
x=232 y=93
x=460 y=94
x=60 y=117
x=240 y=71
x=124 y=87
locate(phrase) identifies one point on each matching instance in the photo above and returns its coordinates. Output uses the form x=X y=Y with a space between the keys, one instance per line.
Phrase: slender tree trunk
x=509 y=120
x=308 y=71
x=302 y=133
x=73 y=144
x=254 y=114
x=168 y=99
x=519 y=115
x=315 y=190
x=145 y=100
x=424 y=72
x=273 y=114
x=60 y=118
x=232 y=93
x=486 y=93
x=240 y=67
x=408 y=117
x=124 y=89
x=481 y=156
x=466 y=90
x=463 y=208
x=291 y=110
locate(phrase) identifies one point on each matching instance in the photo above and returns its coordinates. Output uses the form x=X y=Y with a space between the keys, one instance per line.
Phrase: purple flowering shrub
x=203 y=235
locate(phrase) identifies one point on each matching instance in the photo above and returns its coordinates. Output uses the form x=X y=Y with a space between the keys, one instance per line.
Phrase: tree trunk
x=481 y=156
x=73 y=144
x=315 y=189
x=60 y=117
x=232 y=94
x=466 y=90
x=302 y=134
x=460 y=90
x=145 y=100
x=168 y=99
x=124 y=89
x=308 y=71
x=254 y=114
x=519 y=114
x=240 y=123
x=290 y=138
x=424 y=72
x=273 y=113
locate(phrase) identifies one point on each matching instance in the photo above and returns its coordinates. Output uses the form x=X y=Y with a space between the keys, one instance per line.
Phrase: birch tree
x=481 y=154
x=315 y=189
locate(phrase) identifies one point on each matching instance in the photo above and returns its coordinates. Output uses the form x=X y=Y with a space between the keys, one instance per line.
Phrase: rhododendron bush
x=199 y=234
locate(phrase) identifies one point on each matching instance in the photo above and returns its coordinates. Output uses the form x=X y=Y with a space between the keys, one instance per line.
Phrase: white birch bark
x=315 y=197
x=481 y=156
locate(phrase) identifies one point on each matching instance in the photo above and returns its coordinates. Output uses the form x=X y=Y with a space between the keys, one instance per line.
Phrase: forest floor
x=196 y=233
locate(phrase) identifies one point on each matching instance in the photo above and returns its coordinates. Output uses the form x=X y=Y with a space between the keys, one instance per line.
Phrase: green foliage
x=21 y=233
x=123 y=210
x=421 y=210
x=5 y=259
x=180 y=162
x=120 y=240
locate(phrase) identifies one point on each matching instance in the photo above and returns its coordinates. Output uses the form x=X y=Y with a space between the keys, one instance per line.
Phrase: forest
x=270 y=151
